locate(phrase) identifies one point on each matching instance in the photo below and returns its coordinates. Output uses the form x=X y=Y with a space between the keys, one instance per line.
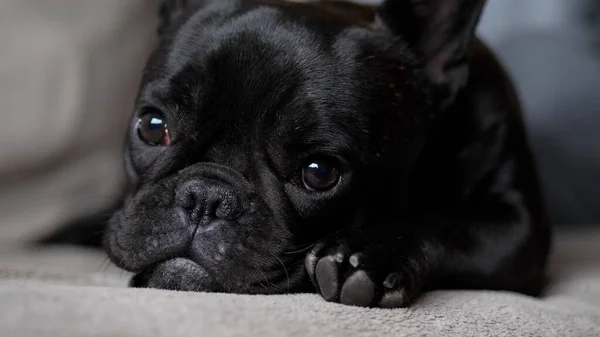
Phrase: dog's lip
x=144 y=278
x=140 y=279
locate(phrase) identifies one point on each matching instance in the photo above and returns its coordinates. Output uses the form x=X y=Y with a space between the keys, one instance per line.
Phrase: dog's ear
x=170 y=11
x=440 y=31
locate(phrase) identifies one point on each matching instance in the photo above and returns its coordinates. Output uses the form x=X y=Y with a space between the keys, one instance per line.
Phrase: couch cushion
x=69 y=71
x=66 y=292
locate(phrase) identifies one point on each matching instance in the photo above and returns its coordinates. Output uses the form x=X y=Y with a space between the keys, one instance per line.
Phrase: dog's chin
x=177 y=274
x=182 y=274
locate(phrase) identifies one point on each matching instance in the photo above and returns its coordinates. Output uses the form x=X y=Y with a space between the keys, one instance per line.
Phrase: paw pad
x=349 y=278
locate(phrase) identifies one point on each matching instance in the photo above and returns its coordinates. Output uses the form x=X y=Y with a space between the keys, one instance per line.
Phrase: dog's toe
x=395 y=295
x=395 y=298
x=327 y=275
x=342 y=279
x=358 y=290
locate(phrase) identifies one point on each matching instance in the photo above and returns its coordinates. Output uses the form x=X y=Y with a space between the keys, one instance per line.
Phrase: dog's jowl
x=365 y=154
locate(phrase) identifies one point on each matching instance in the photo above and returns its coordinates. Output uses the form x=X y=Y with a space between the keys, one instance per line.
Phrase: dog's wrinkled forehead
x=245 y=69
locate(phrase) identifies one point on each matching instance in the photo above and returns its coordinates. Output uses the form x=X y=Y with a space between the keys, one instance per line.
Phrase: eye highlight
x=320 y=175
x=152 y=129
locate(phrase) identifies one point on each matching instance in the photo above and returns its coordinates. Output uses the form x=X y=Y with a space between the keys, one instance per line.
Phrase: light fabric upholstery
x=69 y=71
x=64 y=292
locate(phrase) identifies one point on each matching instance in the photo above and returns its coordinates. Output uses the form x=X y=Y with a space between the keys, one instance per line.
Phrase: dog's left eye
x=320 y=175
x=152 y=129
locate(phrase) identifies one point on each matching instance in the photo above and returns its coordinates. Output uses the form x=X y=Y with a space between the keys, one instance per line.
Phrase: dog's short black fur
x=367 y=154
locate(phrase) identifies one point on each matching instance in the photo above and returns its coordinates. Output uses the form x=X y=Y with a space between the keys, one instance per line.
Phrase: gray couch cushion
x=65 y=292
x=69 y=70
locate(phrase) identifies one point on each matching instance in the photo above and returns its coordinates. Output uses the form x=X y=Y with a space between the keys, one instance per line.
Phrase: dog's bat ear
x=440 y=31
x=171 y=11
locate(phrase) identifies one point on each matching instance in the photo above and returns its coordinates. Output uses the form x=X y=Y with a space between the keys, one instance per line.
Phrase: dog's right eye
x=320 y=175
x=152 y=129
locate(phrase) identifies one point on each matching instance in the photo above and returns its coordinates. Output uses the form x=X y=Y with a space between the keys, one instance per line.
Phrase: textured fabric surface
x=75 y=293
x=69 y=71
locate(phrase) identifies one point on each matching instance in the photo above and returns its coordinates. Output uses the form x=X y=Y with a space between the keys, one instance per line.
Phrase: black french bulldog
x=367 y=154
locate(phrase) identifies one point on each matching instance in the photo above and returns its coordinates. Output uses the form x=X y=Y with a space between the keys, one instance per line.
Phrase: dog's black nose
x=212 y=207
x=208 y=200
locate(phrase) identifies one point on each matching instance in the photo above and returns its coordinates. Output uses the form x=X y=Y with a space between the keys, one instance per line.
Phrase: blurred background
x=69 y=71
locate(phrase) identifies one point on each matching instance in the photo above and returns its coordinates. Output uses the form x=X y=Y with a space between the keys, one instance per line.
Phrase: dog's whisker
x=284 y=269
x=107 y=265
x=314 y=244
x=265 y=277
x=101 y=265
x=104 y=264
x=310 y=246
x=262 y=285
x=300 y=250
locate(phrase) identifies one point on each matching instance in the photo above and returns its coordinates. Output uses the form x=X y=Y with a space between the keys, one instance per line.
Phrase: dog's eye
x=152 y=129
x=320 y=175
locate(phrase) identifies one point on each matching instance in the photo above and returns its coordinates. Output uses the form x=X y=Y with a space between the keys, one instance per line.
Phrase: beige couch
x=68 y=74
x=69 y=70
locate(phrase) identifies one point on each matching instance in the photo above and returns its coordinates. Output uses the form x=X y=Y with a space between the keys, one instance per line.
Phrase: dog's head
x=262 y=127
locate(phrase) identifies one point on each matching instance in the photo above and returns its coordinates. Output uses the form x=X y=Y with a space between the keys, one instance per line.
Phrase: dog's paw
x=359 y=278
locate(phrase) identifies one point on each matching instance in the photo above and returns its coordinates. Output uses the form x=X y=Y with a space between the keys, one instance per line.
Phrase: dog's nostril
x=227 y=208
x=213 y=208
x=188 y=201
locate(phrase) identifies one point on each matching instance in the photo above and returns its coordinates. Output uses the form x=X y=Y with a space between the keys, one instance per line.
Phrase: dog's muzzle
x=199 y=213
x=203 y=228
